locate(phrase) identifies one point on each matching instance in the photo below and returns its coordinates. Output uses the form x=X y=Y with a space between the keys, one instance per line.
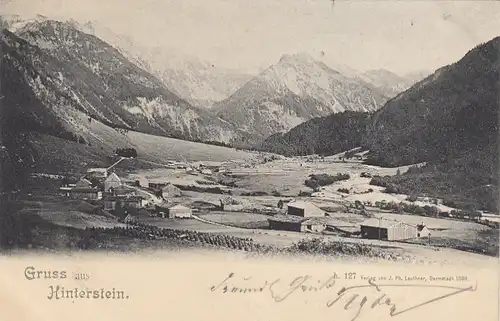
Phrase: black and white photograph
x=330 y=130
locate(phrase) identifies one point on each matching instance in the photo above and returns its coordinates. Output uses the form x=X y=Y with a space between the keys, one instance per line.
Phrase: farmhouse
x=387 y=230
x=176 y=211
x=89 y=193
x=111 y=202
x=304 y=209
x=157 y=185
x=97 y=172
x=170 y=191
x=83 y=183
x=296 y=223
x=112 y=181
x=122 y=191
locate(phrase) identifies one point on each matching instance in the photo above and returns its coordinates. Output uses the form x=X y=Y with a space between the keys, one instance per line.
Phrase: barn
x=304 y=209
x=177 y=211
x=296 y=224
x=111 y=202
x=381 y=229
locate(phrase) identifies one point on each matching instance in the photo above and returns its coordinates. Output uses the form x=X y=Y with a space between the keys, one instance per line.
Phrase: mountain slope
x=449 y=119
x=324 y=135
x=296 y=89
x=199 y=82
x=387 y=82
x=56 y=73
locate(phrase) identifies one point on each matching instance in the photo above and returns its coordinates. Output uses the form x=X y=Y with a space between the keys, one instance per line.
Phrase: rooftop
x=113 y=176
x=179 y=206
x=133 y=198
x=382 y=223
x=301 y=204
x=85 y=190
x=90 y=170
x=302 y=220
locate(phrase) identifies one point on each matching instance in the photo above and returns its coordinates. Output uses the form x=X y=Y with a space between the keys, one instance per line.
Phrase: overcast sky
x=401 y=36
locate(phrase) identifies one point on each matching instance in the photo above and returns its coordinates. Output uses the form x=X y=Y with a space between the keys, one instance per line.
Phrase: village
x=265 y=200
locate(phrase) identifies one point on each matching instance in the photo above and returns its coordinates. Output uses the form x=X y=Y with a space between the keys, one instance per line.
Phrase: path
x=215 y=223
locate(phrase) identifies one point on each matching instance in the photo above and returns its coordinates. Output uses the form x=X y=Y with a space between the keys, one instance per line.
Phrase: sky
x=249 y=35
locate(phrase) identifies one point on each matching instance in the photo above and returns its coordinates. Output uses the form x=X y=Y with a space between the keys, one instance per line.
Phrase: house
x=387 y=230
x=423 y=231
x=112 y=181
x=112 y=202
x=206 y=171
x=176 y=211
x=304 y=209
x=90 y=193
x=97 y=173
x=65 y=190
x=297 y=224
x=157 y=185
x=122 y=191
x=83 y=183
x=169 y=191
x=230 y=204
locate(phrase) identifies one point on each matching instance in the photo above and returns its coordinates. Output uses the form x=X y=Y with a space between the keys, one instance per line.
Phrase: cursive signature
x=354 y=298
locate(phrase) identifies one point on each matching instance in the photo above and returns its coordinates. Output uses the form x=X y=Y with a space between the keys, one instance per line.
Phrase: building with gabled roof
x=304 y=209
x=169 y=191
x=423 y=231
x=381 y=229
x=111 y=202
x=176 y=211
x=296 y=223
x=83 y=183
x=85 y=193
x=97 y=172
x=112 y=181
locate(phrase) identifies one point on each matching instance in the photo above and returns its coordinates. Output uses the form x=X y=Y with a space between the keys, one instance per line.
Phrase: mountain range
x=56 y=76
x=199 y=82
x=70 y=74
x=449 y=120
x=388 y=82
x=296 y=89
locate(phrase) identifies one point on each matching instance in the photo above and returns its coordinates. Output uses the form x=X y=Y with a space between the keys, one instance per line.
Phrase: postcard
x=249 y=160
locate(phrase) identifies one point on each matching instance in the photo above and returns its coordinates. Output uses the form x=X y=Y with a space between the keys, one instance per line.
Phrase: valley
x=257 y=185
x=298 y=159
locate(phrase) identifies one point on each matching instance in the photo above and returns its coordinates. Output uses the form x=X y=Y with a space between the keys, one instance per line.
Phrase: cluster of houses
x=303 y=216
x=109 y=189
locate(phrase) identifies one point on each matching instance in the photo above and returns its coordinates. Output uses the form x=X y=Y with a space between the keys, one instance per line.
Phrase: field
x=237 y=219
x=258 y=185
x=62 y=156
